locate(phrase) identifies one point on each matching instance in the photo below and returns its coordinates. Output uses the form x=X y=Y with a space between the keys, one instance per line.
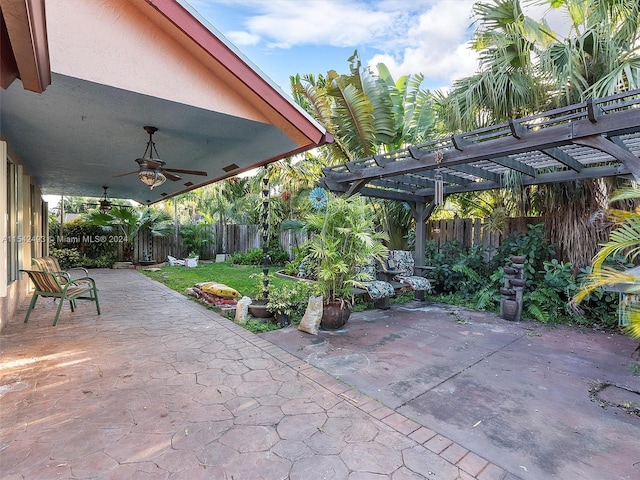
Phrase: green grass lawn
x=238 y=277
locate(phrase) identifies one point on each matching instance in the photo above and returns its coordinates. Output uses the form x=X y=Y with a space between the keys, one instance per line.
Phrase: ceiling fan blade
x=188 y=172
x=123 y=174
x=171 y=176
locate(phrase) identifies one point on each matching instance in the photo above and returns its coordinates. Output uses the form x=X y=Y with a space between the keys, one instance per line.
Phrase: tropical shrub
x=104 y=261
x=128 y=223
x=343 y=238
x=196 y=238
x=88 y=238
x=291 y=299
x=466 y=276
x=533 y=244
x=255 y=257
x=67 y=257
x=456 y=268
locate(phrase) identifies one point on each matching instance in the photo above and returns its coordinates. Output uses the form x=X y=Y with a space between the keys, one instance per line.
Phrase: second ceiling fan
x=152 y=170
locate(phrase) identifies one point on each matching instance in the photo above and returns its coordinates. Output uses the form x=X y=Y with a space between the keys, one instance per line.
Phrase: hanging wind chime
x=439 y=181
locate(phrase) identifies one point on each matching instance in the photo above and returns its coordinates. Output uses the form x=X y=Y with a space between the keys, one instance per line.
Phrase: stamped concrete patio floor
x=515 y=394
x=159 y=387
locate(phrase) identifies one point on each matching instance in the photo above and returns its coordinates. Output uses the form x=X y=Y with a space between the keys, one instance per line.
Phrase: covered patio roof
x=80 y=81
x=592 y=139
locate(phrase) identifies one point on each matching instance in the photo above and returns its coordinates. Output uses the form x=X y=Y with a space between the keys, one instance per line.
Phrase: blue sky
x=285 y=37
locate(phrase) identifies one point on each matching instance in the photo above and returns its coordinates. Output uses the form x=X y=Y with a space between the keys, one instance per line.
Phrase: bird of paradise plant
x=624 y=240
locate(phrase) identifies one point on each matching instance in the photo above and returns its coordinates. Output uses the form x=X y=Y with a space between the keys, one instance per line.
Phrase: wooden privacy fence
x=241 y=238
x=470 y=232
x=238 y=239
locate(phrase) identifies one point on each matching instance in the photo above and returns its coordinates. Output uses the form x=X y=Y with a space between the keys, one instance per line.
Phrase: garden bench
x=399 y=267
x=378 y=290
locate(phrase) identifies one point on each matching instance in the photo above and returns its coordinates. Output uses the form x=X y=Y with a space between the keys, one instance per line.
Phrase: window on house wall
x=14 y=221
x=36 y=232
x=3 y=218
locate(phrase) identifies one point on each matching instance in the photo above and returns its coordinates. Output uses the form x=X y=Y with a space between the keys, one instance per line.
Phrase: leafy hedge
x=255 y=257
x=473 y=277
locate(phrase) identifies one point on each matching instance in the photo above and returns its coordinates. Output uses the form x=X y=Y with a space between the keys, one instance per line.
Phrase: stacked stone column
x=511 y=292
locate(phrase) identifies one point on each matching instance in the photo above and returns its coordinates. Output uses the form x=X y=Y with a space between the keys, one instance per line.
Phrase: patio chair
x=401 y=267
x=50 y=264
x=173 y=261
x=59 y=285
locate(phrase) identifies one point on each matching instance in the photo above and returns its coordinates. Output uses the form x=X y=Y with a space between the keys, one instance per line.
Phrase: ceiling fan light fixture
x=151 y=169
x=151 y=178
x=105 y=204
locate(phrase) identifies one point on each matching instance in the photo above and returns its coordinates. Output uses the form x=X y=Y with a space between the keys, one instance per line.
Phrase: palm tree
x=507 y=84
x=624 y=241
x=127 y=222
x=369 y=113
x=526 y=67
x=601 y=54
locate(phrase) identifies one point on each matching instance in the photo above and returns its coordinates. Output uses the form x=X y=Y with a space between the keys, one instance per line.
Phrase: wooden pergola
x=593 y=139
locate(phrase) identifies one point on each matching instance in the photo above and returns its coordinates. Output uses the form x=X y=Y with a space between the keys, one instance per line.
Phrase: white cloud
x=434 y=43
x=335 y=23
x=427 y=37
x=417 y=36
x=243 y=38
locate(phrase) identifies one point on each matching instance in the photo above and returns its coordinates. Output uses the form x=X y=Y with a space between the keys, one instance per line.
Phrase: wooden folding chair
x=59 y=285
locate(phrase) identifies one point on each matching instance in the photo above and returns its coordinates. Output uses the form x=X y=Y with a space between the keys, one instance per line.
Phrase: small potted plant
x=281 y=304
x=290 y=301
x=258 y=306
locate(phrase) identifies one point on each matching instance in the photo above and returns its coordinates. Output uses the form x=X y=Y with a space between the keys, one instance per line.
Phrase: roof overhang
x=592 y=139
x=23 y=44
x=118 y=65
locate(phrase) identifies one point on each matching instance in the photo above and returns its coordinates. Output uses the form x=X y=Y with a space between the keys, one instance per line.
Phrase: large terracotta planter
x=334 y=315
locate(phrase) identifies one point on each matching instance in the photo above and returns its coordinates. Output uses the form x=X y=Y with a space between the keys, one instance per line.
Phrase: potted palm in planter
x=343 y=240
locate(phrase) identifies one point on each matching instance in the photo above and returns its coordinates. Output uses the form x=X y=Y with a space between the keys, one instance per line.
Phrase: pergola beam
x=616 y=123
x=552 y=177
x=564 y=158
x=329 y=184
x=513 y=164
x=627 y=158
x=478 y=172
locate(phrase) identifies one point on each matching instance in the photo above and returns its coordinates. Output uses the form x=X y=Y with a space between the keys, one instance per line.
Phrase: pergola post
x=421 y=212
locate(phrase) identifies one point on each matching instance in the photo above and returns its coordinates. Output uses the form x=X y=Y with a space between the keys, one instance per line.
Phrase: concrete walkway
x=159 y=387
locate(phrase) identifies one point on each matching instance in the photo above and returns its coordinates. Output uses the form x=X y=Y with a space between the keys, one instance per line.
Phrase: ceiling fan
x=105 y=204
x=152 y=171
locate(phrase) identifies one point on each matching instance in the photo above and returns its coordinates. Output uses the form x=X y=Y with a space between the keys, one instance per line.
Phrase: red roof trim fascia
x=202 y=36
x=8 y=67
x=26 y=25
